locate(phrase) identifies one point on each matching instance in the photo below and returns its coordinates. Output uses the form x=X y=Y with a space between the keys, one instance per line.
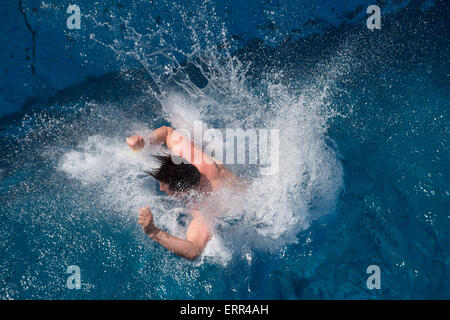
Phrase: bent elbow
x=192 y=257
x=194 y=254
x=168 y=130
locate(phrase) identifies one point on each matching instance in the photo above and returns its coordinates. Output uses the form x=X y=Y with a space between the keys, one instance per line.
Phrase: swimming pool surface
x=363 y=117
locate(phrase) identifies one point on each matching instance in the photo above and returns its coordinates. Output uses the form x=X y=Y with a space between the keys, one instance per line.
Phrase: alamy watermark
x=374 y=281
x=74 y=280
x=237 y=146
x=374 y=21
x=74 y=20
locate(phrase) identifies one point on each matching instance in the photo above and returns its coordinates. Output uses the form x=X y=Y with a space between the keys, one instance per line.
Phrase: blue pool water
x=364 y=125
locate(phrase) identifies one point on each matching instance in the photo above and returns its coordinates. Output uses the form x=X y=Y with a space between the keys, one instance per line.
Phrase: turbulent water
x=362 y=118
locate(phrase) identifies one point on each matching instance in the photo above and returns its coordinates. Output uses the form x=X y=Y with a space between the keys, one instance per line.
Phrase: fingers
x=144 y=220
x=144 y=209
x=131 y=143
x=145 y=215
x=135 y=141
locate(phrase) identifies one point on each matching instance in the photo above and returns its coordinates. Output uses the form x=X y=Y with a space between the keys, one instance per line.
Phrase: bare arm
x=159 y=135
x=182 y=147
x=197 y=235
x=213 y=169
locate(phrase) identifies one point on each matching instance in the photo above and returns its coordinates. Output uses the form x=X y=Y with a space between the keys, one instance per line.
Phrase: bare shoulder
x=197 y=214
x=198 y=231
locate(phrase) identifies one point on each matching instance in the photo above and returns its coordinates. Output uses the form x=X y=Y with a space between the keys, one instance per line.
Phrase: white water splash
x=275 y=208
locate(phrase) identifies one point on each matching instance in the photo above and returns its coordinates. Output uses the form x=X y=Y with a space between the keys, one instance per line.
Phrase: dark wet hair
x=180 y=177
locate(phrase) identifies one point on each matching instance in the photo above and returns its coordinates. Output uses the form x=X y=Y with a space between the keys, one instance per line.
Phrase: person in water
x=199 y=173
